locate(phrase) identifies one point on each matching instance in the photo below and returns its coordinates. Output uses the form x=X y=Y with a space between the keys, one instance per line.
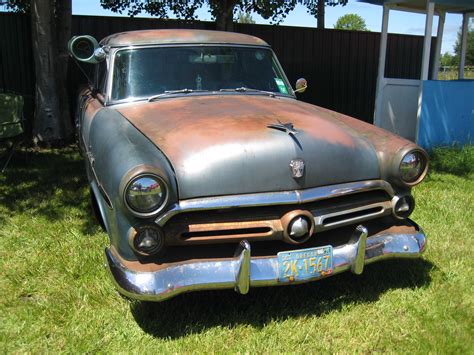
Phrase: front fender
x=115 y=149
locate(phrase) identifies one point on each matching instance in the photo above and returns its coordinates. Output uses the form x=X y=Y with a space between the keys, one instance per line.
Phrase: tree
x=469 y=48
x=50 y=32
x=448 y=60
x=222 y=10
x=317 y=9
x=244 y=18
x=351 y=22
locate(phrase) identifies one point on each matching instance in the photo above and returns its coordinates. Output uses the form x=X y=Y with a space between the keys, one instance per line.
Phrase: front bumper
x=244 y=271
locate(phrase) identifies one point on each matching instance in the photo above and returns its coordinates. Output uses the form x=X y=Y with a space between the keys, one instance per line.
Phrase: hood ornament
x=284 y=127
x=297 y=168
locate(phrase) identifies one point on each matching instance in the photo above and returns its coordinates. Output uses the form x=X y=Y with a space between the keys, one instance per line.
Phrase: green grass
x=451 y=73
x=55 y=294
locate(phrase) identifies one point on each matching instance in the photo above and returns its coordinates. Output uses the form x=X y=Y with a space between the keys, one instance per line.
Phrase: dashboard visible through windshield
x=146 y=72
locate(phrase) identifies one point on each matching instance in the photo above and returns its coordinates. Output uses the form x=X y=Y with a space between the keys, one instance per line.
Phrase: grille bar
x=295 y=197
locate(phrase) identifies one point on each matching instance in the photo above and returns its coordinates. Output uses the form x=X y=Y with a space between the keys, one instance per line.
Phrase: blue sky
x=400 y=22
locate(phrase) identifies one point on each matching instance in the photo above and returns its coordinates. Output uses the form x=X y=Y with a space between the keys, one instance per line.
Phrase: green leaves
x=352 y=22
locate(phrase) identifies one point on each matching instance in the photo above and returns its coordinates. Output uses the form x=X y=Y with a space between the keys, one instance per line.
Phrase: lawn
x=55 y=294
x=451 y=73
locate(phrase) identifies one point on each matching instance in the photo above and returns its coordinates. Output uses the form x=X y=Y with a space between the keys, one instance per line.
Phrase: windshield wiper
x=189 y=91
x=171 y=92
x=245 y=89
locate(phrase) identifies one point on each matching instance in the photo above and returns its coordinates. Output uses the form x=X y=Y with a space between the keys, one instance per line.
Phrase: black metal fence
x=340 y=66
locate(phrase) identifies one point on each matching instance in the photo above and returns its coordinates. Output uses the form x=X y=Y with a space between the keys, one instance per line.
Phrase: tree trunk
x=224 y=13
x=49 y=124
x=321 y=14
x=63 y=30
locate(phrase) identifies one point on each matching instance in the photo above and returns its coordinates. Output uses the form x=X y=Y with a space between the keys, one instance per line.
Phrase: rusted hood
x=221 y=144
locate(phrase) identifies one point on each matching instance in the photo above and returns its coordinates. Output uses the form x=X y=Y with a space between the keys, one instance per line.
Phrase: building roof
x=179 y=36
x=453 y=6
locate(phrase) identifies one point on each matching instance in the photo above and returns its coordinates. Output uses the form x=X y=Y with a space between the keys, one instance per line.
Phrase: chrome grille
x=264 y=222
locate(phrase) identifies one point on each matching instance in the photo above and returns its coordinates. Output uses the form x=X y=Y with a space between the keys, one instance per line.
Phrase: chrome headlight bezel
x=153 y=210
x=422 y=157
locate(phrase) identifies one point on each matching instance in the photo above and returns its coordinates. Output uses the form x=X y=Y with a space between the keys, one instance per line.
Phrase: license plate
x=304 y=264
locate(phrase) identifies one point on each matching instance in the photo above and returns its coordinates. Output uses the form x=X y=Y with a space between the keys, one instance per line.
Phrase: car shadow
x=193 y=313
x=49 y=183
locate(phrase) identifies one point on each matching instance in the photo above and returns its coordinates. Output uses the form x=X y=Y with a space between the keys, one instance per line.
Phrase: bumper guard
x=243 y=271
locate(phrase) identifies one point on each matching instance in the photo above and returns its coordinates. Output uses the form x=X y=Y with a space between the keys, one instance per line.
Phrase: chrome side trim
x=319 y=220
x=242 y=272
x=273 y=198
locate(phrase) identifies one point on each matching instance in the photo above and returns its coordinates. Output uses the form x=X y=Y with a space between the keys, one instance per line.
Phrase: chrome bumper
x=243 y=271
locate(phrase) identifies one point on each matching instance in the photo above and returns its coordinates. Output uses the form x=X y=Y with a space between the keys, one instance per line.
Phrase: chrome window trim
x=273 y=198
x=115 y=50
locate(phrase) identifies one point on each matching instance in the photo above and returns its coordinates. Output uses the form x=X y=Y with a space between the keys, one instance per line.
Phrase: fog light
x=403 y=206
x=148 y=240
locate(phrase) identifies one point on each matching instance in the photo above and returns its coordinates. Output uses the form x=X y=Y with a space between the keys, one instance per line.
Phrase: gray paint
x=117 y=147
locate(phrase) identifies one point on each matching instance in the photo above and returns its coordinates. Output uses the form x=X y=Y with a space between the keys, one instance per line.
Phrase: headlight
x=412 y=167
x=145 y=194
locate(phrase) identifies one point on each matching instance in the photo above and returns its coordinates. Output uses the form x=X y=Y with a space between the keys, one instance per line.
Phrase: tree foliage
x=243 y=17
x=448 y=60
x=223 y=11
x=20 y=6
x=351 y=22
x=469 y=48
x=316 y=9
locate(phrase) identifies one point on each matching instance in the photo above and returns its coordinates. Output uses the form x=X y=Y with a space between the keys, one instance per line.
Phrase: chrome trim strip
x=320 y=225
x=233 y=273
x=272 y=198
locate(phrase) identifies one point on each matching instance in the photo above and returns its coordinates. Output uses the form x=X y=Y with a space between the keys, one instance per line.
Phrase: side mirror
x=301 y=85
x=86 y=49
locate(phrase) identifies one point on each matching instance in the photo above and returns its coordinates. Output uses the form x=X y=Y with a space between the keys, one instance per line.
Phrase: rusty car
x=208 y=173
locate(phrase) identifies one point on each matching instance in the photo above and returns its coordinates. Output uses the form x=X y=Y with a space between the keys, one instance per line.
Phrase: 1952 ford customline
x=207 y=173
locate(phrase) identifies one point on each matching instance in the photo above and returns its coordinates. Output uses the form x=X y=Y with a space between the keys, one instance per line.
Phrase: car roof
x=179 y=36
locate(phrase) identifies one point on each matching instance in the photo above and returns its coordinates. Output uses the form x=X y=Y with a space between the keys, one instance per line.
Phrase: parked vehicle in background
x=208 y=173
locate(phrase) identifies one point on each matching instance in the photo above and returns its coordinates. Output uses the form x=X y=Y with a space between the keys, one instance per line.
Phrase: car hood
x=221 y=144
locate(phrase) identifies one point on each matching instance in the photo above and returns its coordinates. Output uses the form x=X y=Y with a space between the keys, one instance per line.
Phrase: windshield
x=145 y=72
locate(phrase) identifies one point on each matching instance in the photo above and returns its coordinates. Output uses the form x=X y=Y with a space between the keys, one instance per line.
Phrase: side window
x=101 y=76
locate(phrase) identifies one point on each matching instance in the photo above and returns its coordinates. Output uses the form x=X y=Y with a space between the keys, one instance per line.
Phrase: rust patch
x=92 y=106
x=182 y=233
x=186 y=125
